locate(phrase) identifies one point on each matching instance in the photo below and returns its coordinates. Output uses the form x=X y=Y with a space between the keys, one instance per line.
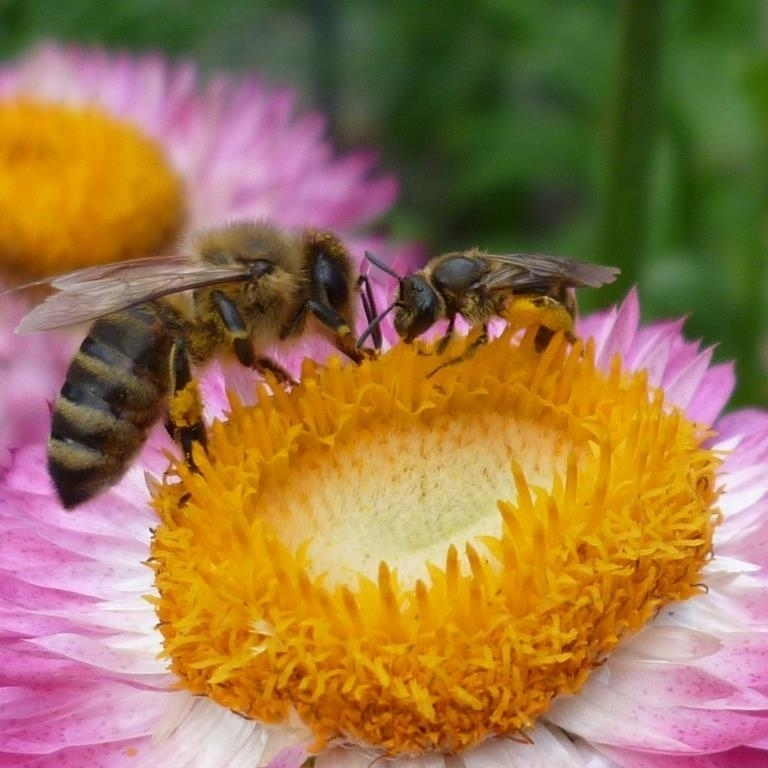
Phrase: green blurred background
x=632 y=133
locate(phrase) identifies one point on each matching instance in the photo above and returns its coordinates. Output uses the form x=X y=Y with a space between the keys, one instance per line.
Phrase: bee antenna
x=383 y=267
x=374 y=324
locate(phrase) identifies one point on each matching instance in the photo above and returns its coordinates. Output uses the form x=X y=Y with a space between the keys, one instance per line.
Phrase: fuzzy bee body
x=113 y=394
x=235 y=291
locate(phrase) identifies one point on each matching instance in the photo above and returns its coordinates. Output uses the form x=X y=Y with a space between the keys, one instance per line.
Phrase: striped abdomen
x=114 y=392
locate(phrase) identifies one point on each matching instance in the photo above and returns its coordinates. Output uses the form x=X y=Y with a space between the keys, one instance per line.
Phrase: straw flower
x=527 y=559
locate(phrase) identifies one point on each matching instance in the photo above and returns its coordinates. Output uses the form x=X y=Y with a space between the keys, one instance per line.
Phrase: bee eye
x=334 y=281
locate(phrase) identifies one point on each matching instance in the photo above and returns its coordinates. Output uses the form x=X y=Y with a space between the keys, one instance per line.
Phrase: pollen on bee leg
x=345 y=337
x=185 y=407
x=346 y=342
x=547 y=313
x=185 y=423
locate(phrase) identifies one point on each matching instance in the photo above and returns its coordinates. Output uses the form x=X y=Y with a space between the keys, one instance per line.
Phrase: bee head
x=417 y=308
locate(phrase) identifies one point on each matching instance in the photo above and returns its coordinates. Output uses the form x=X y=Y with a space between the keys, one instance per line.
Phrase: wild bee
x=235 y=289
x=528 y=289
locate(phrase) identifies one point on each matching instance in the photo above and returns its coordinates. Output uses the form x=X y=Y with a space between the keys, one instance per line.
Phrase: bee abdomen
x=112 y=395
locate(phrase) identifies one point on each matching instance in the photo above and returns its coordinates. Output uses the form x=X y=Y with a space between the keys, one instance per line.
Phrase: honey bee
x=235 y=289
x=527 y=288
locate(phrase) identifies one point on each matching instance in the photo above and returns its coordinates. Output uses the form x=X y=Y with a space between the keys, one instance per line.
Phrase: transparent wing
x=96 y=291
x=538 y=272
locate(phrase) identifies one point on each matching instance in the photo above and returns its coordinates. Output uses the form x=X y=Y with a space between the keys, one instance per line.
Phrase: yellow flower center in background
x=417 y=563
x=78 y=188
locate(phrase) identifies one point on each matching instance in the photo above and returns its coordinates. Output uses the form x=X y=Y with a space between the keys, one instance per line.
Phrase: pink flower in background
x=238 y=145
x=127 y=154
x=84 y=683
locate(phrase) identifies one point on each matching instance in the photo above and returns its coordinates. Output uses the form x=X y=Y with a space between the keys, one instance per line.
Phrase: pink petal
x=106 y=714
x=602 y=715
x=117 y=754
x=710 y=398
x=681 y=389
x=743 y=436
x=617 y=335
x=682 y=686
x=741 y=757
x=129 y=661
x=291 y=757
x=744 y=659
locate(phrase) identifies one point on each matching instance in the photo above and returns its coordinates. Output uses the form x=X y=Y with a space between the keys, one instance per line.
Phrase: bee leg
x=233 y=322
x=369 y=307
x=343 y=337
x=442 y=345
x=544 y=336
x=550 y=313
x=185 y=409
x=556 y=315
x=268 y=364
x=244 y=353
x=468 y=352
x=241 y=340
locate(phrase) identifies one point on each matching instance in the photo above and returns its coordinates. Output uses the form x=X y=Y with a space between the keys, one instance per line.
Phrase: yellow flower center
x=79 y=187
x=418 y=563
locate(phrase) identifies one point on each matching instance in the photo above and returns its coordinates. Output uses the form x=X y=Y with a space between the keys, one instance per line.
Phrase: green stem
x=326 y=61
x=623 y=233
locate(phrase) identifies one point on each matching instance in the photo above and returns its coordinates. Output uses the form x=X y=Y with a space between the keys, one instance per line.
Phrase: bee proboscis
x=236 y=288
